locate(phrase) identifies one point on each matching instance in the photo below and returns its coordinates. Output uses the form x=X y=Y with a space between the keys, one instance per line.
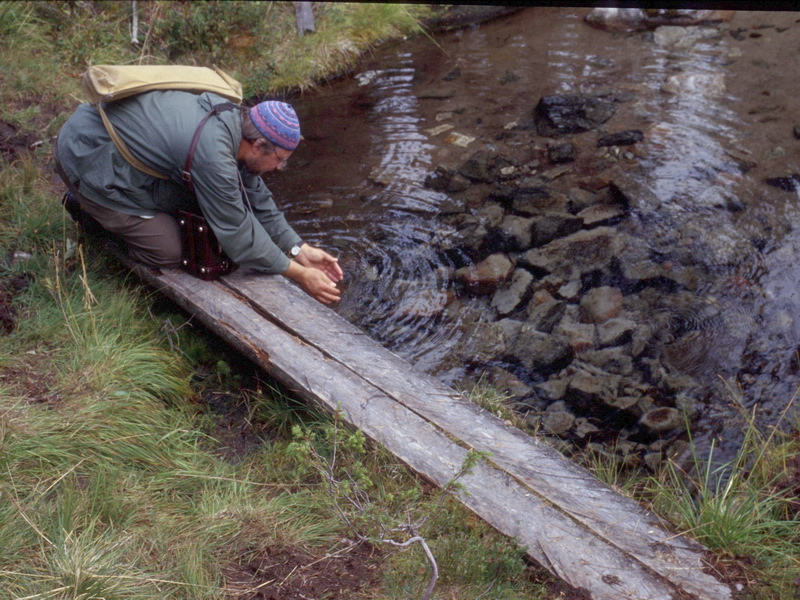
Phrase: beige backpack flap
x=105 y=83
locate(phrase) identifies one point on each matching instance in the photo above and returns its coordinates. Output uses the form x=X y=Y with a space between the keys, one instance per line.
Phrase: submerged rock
x=570 y=113
x=484 y=277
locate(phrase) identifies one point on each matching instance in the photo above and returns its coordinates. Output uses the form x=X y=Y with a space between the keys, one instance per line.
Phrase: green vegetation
x=136 y=462
x=124 y=473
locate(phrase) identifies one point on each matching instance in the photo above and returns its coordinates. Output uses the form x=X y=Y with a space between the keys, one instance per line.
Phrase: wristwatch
x=295 y=251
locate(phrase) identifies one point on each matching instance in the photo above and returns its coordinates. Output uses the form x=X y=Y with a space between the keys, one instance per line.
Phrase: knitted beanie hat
x=277 y=122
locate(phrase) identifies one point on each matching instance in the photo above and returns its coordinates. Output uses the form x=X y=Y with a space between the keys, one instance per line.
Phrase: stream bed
x=598 y=221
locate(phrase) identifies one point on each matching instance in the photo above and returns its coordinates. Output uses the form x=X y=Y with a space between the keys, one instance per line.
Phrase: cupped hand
x=316 y=258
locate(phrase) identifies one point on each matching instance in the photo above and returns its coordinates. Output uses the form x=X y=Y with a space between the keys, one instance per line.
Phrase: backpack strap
x=123 y=148
x=186 y=174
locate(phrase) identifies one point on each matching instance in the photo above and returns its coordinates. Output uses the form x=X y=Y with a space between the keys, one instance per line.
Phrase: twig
x=134 y=24
x=434 y=568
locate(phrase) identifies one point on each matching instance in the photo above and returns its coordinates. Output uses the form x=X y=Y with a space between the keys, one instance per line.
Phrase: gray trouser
x=155 y=242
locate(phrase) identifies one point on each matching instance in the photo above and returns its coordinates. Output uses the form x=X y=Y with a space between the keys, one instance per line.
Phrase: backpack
x=107 y=83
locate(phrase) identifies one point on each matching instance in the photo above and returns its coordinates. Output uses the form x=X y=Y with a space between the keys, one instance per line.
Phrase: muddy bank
x=600 y=222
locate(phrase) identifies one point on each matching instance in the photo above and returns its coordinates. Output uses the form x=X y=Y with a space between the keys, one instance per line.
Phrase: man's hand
x=315 y=282
x=319 y=259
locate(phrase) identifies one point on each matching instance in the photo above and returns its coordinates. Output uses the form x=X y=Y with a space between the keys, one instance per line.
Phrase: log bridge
x=578 y=528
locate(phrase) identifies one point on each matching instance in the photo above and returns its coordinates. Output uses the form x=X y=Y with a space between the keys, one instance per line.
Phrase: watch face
x=295 y=250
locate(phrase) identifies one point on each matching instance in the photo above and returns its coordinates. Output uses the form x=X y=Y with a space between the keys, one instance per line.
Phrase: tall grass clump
x=744 y=508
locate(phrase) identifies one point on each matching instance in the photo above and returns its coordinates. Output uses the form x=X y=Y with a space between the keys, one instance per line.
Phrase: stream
x=611 y=287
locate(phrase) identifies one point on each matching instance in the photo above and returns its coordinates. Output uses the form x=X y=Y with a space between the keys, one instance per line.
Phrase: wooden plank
x=560 y=541
x=574 y=490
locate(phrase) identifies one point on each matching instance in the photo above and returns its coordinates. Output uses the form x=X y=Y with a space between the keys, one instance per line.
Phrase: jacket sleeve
x=253 y=239
x=266 y=211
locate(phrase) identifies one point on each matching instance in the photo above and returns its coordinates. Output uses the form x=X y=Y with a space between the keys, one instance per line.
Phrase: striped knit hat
x=277 y=122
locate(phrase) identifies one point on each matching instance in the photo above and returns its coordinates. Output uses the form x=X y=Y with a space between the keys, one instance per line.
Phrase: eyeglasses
x=281 y=162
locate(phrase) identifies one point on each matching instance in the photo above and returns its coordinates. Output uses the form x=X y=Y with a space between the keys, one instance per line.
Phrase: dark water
x=713 y=133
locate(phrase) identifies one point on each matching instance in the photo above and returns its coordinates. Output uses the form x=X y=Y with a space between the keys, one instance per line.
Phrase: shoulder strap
x=123 y=148
x=186 y=174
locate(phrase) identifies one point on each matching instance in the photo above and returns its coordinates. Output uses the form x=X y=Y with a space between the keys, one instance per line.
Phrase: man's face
x=258 y=161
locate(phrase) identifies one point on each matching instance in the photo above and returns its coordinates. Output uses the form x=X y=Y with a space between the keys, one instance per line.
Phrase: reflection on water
x=357 y=185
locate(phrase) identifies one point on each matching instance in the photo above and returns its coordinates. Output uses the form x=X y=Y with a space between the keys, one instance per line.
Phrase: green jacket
x=158 y=128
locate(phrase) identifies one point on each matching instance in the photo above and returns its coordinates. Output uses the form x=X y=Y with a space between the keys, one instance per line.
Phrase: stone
x=613 y=360
x=601 y=214
x=580 y=199
x=579 y=336
x=544 y=311
x=538 y=352
x=570 y=113
x=458 y=183
x=476 y=168
x=553 y=225
x=662 y=419
x=591 y=389
x=517 y=232
x=615 y=331
x=484 y=277
x=561 y=152
x=693 y=84
x=509 y=384
x=571 y=256
x=509 y=297
x=621 y=138
x=558 y=422
x=600 y=304
x=425 y=304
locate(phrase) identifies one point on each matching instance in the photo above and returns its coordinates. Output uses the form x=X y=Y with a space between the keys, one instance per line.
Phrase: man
x=234 y=149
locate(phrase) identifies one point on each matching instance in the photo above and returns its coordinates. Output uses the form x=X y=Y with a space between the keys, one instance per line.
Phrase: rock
x=570 y=290
x=539 y=353
x=487 y=341
x=639 y=19
x=579 y=199
x=491 y=214
x=613 y=360
x=601 y=214
x=425 y=304
x=544 y=311
x=516 y=232
x=579 y=336
x=458 y=183
x=615 y=331
x=509 y=384
x=571 y=256
x=561 y=153
x=584 y=428
x=553 y=225
x=788 y=184
x=588 y=390
x=796 y=131
x=484 y=277
x=439 y=180
x=509 y=297
x=570 y=113
x=682 y=38
x=621 y=138
x=476 y=168
x=558 y=422
x=662 y=419
x=600 y=304
x=695 y=84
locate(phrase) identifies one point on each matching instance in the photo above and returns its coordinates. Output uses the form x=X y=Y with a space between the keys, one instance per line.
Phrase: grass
x=117 y=474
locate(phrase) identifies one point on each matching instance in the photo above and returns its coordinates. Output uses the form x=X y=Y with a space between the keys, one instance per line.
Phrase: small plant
x=349 y=483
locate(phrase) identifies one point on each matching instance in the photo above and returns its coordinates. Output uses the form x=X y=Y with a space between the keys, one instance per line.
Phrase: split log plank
x=311 y=350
